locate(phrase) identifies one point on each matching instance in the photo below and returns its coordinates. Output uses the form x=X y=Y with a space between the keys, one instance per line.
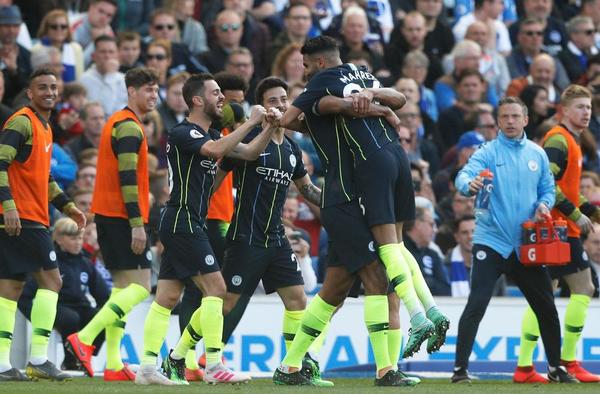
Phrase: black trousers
x=536 y=286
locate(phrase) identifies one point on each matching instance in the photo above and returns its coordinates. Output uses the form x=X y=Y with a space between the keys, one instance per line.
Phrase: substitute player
x=382 y=174
x=257 y=248
x=562 y=144
x=26 y=187
x=121 y=204
x=351 y=251
x=193 y=150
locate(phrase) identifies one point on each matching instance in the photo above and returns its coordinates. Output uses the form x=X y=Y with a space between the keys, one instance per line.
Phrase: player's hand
x=361 y=101
x=542 y=213
x=74 y=213
x=257 y=114
x=475 y=185
x=12 y=223
x=138 y=239
x=274 y=116
x=585 y=224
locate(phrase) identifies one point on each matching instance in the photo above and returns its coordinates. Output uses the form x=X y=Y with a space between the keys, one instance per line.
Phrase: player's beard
x=213 y=112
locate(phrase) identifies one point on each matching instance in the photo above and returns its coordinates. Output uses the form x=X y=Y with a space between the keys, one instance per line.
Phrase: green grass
x=265 y=386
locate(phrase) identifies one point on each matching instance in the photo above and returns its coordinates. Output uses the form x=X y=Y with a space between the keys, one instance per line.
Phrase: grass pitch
x=265 y=386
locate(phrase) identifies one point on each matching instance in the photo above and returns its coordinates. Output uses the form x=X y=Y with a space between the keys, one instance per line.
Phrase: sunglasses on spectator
x=163 y=27
x=56 y=26
x=404 y=140
x=229 y=26
x=588 y=32
x=533 y=33
x=158 y=56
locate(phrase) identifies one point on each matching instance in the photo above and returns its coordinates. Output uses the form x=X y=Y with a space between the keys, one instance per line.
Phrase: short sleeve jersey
x=191 y=175
x=262 y=187
x=364 y=136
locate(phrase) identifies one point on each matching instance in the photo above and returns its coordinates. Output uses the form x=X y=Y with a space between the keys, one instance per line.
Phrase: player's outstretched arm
x=291 y=119
x=221 y=147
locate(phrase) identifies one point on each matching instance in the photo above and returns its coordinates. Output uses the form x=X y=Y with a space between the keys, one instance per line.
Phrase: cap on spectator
x=10 y=15
x=470 y=139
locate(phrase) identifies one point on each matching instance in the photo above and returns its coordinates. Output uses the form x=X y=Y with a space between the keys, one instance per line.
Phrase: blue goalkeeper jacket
x=522 y=180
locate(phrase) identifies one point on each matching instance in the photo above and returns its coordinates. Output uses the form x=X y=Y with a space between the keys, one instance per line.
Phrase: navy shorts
x=385 y=185
x=245 y=265
x=579 y=261
x=31 y=251
x=186 y=254
x=351 y=244
x=114 y=238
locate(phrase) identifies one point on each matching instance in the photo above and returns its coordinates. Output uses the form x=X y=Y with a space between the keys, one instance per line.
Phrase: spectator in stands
x=594 y=126
x=413 y=34
x=486 y=11
x=470 y=88
x=54 y=31
x=301 y=248
x=228 y=30
x=541 y=72
x=62 y=167
x=589 y=181
x=5 y=110
x=355 y=27
x=555 y=34
x=415 y=66
x=289 y=65
x=419 y=148
x=159 y=57
x=591 y=245
x=421 y=180
x=409 y=88
x=80 y=280
x=485 y=123
x=93 y=24
x=492 y=65
x=439 y=37
x=86 y=176
x=82 y=197
x=134 y=15
x=14 y=59
x=530 y=44
x=580 y=48
x=156 y=137
x=419 y=234
x=239 y=62
x=93 y=118
x=465 y=55
x=234 y=89
x=129 y=44
x=459 y=259
x=591 y=8
x=103 y=81
x=73 y=99
x=535 y=98
x=376 y=36
x=173 y=109
x=255 y=35
x=163 y=26
x=192 y=32
x=297 y=21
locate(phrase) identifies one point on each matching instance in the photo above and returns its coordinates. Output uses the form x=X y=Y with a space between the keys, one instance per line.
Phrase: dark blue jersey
x=191 y=177
x=326 y=132
x=364 y=136
x=262 y=187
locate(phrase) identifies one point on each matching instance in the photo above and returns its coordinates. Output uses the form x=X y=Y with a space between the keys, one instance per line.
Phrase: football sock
x=376 y=315
x=418 y=280
x=190 y=336
x=291 y=322
x=8 y=309
x=399 y=274
x=191 y=359
x=232 y=319
x=315 y=319
x=114 y=334
x=394 y=345
x=317 y=345
x=155 y=331
x=574 y=320
x=116 y=308
x=211 y=321
x=530 y=332
x=43 y=313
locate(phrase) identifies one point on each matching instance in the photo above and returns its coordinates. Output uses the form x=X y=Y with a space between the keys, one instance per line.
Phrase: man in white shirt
x=486 y=11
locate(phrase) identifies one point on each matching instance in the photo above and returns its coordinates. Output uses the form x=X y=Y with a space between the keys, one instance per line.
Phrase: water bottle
x=482 y=201
x=560 y=225
x=529 y=236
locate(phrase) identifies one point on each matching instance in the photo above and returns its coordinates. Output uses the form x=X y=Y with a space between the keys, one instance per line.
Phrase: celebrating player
x=26 y=187
x=193 y=150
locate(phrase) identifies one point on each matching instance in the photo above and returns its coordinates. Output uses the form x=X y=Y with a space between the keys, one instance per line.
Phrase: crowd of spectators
x=453 y=60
